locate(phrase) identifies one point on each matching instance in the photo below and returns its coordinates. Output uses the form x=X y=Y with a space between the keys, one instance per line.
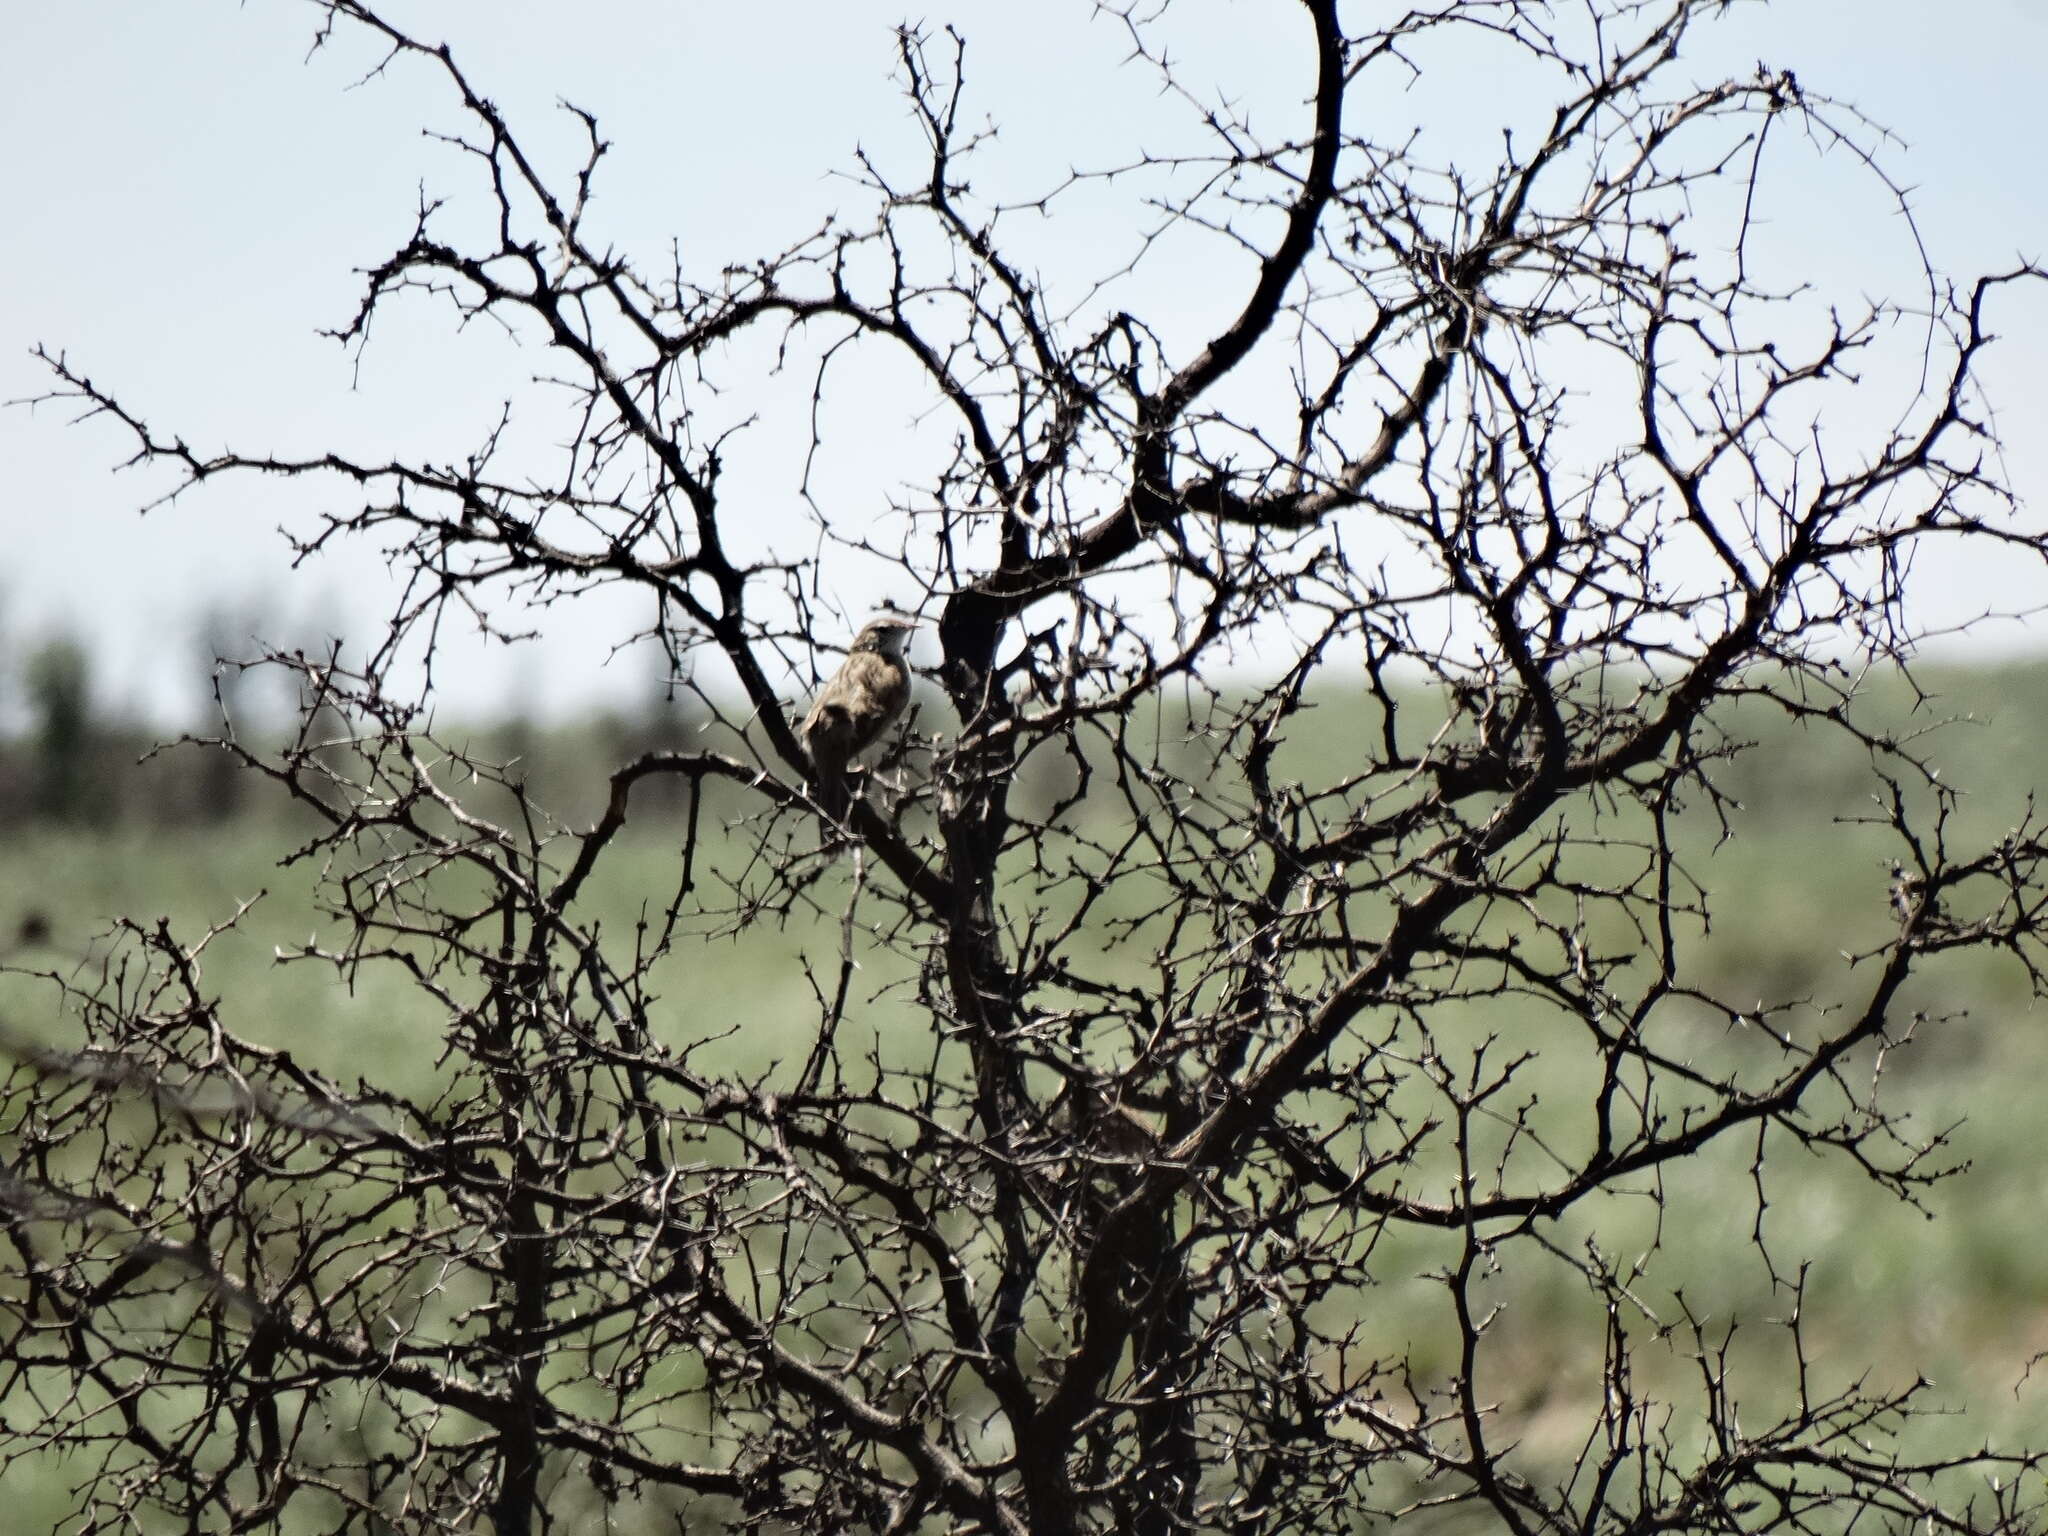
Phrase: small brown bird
x=861 y=701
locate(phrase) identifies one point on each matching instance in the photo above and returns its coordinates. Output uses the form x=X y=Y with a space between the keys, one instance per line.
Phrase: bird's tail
x=832 y=791
x=835 y=798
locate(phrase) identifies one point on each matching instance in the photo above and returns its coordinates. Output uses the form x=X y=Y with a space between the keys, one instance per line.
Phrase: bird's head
x=887 y=633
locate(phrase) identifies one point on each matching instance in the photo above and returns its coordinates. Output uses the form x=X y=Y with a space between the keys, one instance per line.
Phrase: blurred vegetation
x=96 y=828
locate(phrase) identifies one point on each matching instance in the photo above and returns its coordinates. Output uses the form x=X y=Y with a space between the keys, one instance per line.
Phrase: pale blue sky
x=188 y=197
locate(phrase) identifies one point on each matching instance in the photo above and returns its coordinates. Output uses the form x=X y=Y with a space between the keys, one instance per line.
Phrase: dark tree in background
x=1150 y=1052
x=58 y=683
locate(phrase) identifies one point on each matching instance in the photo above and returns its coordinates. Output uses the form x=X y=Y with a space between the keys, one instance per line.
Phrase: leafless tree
x=1151 y=1047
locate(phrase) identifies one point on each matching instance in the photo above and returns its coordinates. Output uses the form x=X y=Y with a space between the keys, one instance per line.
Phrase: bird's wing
x=828 y=731
x=828 y=734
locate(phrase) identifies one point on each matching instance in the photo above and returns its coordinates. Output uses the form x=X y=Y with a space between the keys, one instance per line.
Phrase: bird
x=861 y=701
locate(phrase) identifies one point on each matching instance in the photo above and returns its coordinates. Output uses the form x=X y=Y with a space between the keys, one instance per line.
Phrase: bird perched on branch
x=861 y=701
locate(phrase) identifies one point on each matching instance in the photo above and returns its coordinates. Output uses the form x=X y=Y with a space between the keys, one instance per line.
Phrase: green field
x=1958 y=1292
